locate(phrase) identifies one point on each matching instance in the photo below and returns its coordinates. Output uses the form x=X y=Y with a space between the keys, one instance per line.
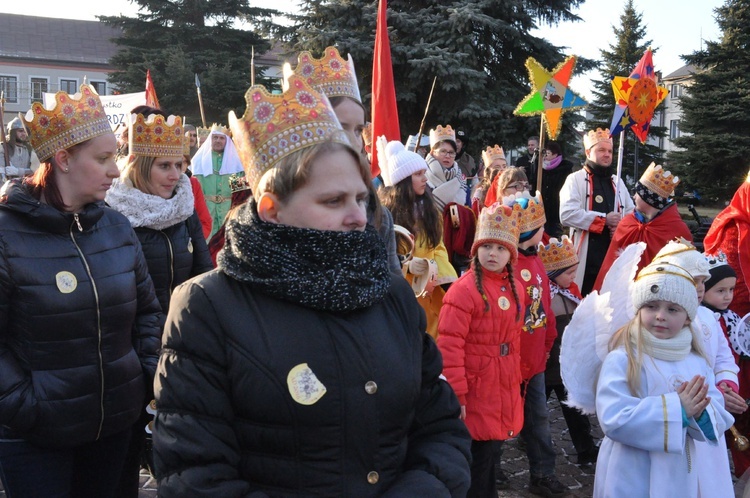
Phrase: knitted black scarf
x=319 y=269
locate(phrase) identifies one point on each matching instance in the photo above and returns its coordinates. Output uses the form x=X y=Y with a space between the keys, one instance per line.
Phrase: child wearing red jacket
x=537 y=337
x=480 y=340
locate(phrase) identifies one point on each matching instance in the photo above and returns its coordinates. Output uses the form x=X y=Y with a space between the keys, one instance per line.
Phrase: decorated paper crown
x=491 y=154
x=658 y=181
x=331 y=74
x=558 y=254
x=594 y=137
x=238 y=182
x=72 y=120
x=716 y=260
x=274 y=126
x=156 y=136
x=203 y=133
x=499 y=224
x=440 y=134
x=367 y=134
x=530 y=210
x=221 y=129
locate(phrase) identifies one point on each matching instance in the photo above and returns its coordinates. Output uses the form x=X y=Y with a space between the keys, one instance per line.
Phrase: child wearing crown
x=561 y=263
x=538 y=333
x=444 y=176
x=300 y=366
x=655 y=220
x=495 y=163
x=480 y=339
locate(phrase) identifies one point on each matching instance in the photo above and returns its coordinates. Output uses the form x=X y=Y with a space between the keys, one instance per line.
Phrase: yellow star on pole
x=550 y=95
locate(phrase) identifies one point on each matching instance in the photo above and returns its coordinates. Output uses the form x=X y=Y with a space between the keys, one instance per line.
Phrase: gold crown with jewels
x=221 y=129
x=331 y=74
x=558 y=254
x=500 y=224
x=593 y=137
x=659 y=181
x=439 y=134
x=274 y=126
x=532 y=215
x=156 y=136
x=491 y=154
x=73 y=119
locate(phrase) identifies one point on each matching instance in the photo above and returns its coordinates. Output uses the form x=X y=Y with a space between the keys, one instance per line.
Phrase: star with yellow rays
x=636 y=98
x=550 y=95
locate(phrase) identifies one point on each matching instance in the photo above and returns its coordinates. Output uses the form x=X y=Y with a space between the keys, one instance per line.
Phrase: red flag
x=384 y=110
x=151 y=99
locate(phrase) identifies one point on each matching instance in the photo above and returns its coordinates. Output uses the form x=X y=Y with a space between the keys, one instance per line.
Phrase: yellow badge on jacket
x=526 y=274
x=599 y=199
x=304 y=385
x=66 y=282
x=504 y=303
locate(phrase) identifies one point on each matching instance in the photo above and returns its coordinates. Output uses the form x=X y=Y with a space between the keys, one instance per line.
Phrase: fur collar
x=152 y=211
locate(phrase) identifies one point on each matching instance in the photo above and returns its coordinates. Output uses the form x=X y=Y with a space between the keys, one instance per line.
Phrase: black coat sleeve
x=149 y=318
x=201 y=256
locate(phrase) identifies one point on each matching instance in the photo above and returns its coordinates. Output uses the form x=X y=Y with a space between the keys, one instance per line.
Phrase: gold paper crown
x=331 y=74
x=156 y=136
x=594 y=137
x=658 y=181
x=491 y=154
x=72 y=120
x=238 y=182
x=367 y=133
x=558 y=254
x=221 y=129
x=202 y=133
x=500 y=224
x=440 y=134
x=274 y=126
x=532 y=216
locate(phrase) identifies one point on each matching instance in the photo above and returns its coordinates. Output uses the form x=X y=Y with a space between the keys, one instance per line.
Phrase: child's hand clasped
x=733 y=402
x=693 y=396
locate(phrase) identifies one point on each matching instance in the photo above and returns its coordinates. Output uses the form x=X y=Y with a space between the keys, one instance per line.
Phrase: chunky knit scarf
x=152 y=211
x=318 y=269
x=673 y=349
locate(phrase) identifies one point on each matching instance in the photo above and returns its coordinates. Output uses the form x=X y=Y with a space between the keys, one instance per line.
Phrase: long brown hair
x=44 y=181
x=418 y=214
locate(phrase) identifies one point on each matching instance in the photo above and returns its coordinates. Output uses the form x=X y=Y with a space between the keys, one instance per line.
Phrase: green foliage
x=475 y=49
x=619 y=60
x=175 y=39
x=716 y=122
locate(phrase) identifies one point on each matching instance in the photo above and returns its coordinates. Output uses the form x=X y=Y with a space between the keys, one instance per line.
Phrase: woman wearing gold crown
x=300 y=367
x=444 y=177
x=79 y=320
x=157 y=199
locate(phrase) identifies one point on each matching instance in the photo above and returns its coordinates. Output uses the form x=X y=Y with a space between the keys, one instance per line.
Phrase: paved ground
x=579 y=479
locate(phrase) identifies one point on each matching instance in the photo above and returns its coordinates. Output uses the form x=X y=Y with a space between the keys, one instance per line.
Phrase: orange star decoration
x=636 y=98
x=550 y=95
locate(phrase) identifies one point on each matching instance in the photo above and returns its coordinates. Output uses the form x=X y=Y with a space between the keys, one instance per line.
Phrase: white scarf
x=672 y=349
x=202 y=162
x=437 y=175
x=152 y=211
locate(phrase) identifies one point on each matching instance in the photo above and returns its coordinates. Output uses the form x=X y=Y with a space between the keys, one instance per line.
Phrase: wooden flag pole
x=426 y=109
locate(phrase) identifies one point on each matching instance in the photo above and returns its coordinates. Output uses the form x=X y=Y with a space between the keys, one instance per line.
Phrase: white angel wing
x=380 y=144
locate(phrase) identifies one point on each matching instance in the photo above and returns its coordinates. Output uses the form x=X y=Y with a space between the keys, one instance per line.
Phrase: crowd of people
x=245 y=311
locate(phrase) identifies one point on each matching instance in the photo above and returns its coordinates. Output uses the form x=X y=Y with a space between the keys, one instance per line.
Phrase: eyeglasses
x=447 y=153
x=519 y=186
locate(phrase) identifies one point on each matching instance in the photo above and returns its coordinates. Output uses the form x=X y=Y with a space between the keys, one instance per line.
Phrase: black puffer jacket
x=228 y=424
x=552 y=182
x=79 y=322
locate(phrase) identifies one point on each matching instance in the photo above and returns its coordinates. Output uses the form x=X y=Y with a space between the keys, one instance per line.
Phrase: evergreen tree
x=620 y=60
x=176 y=39
x=475 y=48
x=715 y=119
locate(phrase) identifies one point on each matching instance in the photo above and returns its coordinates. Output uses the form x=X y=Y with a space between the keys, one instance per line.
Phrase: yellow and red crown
x=558 y=254
x=439 y=134
x=491 y=154
x=72 y=120
x=500 y=224
x=274 y=126
x=331 y=74
x=658 y=181
x=593 y=137
x=156 y=136
x=530 y=209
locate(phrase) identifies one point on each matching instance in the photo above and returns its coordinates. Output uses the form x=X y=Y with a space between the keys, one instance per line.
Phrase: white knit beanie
x=661 y=281
x=686 y=256
x=396 y=162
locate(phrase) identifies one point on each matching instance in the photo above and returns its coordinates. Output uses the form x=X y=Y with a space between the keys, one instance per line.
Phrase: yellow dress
x=446 y=274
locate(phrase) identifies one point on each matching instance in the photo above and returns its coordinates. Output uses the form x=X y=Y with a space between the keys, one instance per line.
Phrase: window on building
x=676 y=91
x=674 y=129
x=9 y=87
x=38 y=87
x=69 y=86
x=99 y=86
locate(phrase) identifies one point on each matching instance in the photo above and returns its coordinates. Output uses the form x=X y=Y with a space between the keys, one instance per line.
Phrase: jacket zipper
x=77 y=222
x=171 y=262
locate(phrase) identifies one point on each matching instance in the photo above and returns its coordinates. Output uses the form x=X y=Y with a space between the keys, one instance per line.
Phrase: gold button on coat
x=371 y=387
x=372 y=477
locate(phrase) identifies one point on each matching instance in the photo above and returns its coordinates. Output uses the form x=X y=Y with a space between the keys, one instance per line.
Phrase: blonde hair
x=138 y=171
x=632 y=333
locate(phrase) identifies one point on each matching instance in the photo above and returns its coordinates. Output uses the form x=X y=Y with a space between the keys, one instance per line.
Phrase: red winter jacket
x=481 y=354
x=201 y=208
x=539 y=326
